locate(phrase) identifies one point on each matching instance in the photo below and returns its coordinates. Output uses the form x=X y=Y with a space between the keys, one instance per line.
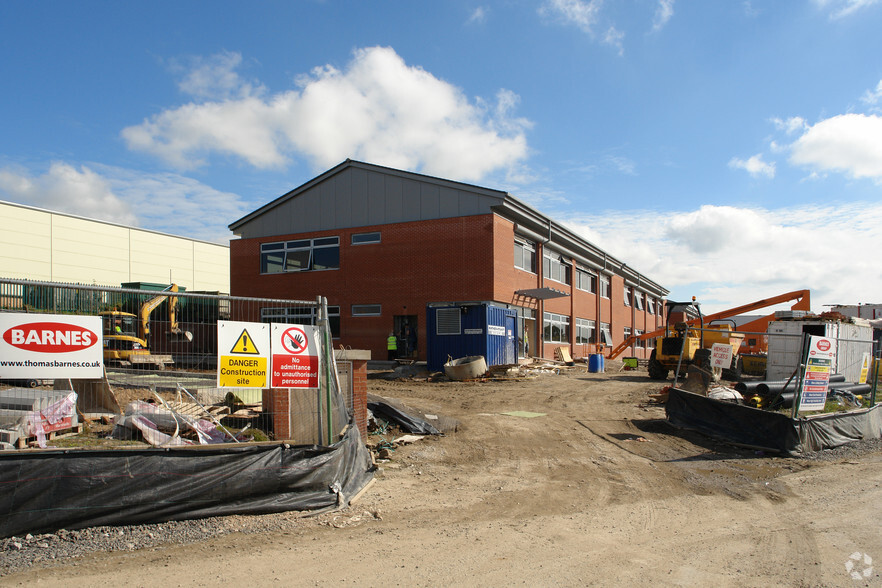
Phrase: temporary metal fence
x=172 y=383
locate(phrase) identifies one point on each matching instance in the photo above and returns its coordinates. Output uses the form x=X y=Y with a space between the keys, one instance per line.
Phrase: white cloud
x=847 y=143
x=872 y=97
x=728 y=256
x=663 y=13
x=792 y=125
x=378 y=109
x=615 y=38
x=478 y=16
x=163 y=202
x=843 y=8
x=214 y=77
x=66 y=189
x=580 y=13
x=754 y=165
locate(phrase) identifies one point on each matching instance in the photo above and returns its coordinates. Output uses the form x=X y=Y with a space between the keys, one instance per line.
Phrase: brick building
x=382 y=243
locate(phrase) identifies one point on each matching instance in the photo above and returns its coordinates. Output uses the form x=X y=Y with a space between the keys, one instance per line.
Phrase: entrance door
x=511 y=340
x=407 y=332
x=526 y=336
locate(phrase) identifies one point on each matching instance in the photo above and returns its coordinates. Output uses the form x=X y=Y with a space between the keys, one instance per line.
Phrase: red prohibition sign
x=294 y=340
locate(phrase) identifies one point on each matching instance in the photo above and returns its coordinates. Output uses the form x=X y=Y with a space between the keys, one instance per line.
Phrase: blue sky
x=730 y=150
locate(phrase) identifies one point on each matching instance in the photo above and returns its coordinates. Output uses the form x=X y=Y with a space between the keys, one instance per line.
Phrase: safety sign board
x=818 y=364
x=243 y=352
x=295 y=353
x=721 y=355
x=50 y=346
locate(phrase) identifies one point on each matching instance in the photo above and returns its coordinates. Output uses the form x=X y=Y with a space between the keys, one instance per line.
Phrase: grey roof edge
x=111 y=223
x=529 y=220
x=349 y=163
x=509 y=207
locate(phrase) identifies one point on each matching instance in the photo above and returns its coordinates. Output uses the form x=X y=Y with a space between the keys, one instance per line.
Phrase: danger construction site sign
x=243 y=352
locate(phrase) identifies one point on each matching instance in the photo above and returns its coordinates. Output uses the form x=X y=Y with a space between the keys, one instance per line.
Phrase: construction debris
x=162 y=426
x=30 y=415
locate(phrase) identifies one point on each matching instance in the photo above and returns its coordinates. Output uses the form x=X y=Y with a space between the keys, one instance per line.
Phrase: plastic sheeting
x=826 y=431
x=752 y=427
x=408 y=422
x=736 y=423
x=43 y=491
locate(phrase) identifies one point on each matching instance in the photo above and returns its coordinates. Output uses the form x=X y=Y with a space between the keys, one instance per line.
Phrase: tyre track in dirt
x=572 y=498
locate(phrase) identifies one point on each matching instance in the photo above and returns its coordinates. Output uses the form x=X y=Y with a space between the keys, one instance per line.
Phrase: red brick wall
x=447 y=260
x=415 y=263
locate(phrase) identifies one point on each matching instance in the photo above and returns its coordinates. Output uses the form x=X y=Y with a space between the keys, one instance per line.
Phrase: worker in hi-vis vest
x=392 y=346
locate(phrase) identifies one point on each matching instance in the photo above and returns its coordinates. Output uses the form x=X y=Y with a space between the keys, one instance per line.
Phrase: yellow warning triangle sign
x=245 y=344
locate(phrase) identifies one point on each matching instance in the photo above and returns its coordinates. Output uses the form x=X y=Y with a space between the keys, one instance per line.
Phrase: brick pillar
x=359 y=395
x=359 y=359
x=276 y=403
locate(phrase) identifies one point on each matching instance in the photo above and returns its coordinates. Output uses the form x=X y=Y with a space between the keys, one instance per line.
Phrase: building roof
x=350 y=163
x=473 y=199
x=109 y=223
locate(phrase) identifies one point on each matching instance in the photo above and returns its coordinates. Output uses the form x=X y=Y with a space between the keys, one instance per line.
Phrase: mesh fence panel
x=160 y=347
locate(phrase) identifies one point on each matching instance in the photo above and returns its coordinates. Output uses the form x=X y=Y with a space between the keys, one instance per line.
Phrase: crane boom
x=803 y=302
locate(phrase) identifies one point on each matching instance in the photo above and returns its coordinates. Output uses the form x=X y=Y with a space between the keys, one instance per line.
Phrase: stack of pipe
x=779 y=393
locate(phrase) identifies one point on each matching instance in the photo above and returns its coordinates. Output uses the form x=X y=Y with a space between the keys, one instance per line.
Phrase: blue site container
x=455 y=330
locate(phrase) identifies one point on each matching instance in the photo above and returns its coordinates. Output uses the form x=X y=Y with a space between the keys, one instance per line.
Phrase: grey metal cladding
x=357 y=195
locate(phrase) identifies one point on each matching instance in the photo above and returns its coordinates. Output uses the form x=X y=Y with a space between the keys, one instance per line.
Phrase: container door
x=511 y=339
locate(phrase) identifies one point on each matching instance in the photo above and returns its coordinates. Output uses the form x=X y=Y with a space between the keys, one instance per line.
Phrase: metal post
x=800 y=374
x=318 y=404
x=680 y=359
x=325 y=330
x=876 y=362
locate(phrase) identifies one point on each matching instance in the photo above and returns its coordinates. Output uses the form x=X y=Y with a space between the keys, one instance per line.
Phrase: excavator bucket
x=179 y=336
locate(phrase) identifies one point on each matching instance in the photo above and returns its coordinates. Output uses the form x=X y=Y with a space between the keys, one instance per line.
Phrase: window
x=525 y=256
x=296 y=256
x=556 y=328
x=586 y=280
x=365 y=238
x=302 y=315
x=650 y=305
x=605 y=334
x=638 y=300
x=584 y=330
x=627 y=332
x=627 y=296
x=605 y=290
x=640 y=342
x=367 y=310
x=557 y=267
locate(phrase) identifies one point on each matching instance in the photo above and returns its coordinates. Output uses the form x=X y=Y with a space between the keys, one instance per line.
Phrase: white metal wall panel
x=211 y=268
x=856 y=340
x=785 y=343
x=784 y=350
x=45 y=245
x=86 y=252
x=160 y=258
x=25 y=249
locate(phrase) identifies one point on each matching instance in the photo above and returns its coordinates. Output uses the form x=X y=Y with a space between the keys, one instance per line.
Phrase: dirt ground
x=597 y=491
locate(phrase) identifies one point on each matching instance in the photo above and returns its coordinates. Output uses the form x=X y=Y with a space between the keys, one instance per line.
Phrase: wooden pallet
x=24 y=442
x=563 y=354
